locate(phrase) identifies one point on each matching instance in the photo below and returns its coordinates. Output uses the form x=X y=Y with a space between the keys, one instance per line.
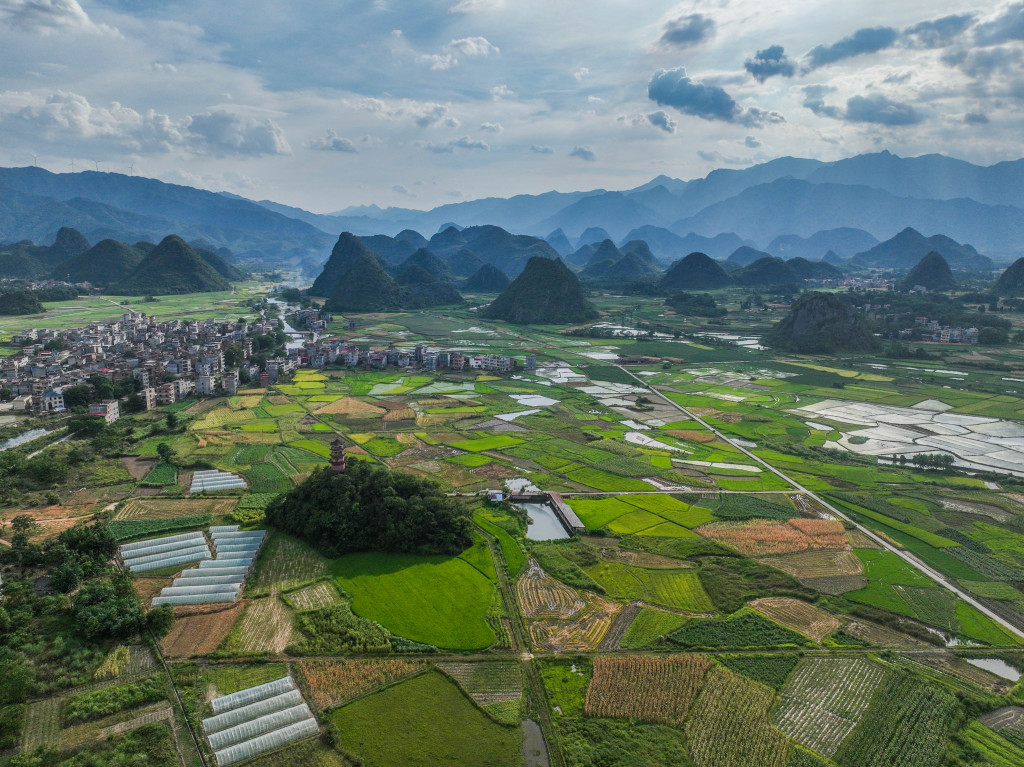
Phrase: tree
x=66 y=576
x=233 y=356
x=5 y=394
x=165 y=452
x=101 y=611
x=160 y=619
x=172 y=421
x=102 y=385
x=77 y=396
x=56 y=345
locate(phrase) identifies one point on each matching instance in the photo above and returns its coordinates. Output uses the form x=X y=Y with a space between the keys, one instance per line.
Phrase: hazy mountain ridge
x=786 y=207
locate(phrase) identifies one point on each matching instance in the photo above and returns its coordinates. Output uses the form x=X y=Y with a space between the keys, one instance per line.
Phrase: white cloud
x=475 y=6
x=499 y=92
x=491 y=127
x=332 y=142
x=541 y=149
x=467 y=47
x=423 y=113
x=49 y=17
x=581 y=73
x=69 y=117
x=465 y=142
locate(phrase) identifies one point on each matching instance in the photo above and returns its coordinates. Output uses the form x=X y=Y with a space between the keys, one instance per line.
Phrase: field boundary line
x=907 y=557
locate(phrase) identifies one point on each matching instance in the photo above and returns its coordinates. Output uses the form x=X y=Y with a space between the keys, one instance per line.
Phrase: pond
x=996 y=666
x=544 y=523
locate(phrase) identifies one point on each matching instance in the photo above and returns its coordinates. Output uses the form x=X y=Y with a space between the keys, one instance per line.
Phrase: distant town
x=170 y=360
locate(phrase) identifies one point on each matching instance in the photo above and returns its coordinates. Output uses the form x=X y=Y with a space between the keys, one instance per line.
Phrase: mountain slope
x=909 y=246
x=821 y=323
x=931 y=272
x=791 y=206
x=347 y=250
x=172 y=267
x=106 y=262
x=695 y=272
x=487 y=279
x=546 y=292
x=1011 y=282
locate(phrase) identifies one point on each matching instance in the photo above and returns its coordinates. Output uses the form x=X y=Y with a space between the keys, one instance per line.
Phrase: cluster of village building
x=172 y=359
x=931 y=330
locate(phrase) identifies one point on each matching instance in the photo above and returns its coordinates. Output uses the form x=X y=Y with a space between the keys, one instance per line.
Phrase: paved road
x=904 y=555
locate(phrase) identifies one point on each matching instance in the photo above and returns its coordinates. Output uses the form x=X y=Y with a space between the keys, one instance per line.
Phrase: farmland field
x=757 y=629
x=332 y=682
x=200 y=634
x=646 y=689
x=729 y=724
x=265 y=627
x=906 y=723
x=824 y=700
x=806 y=619
x=436 y=600
x=285 y=563
x=426 y=721
x=680 y=589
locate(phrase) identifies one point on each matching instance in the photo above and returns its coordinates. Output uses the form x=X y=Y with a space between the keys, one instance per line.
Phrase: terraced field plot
x=680 y=589
x=799 y=616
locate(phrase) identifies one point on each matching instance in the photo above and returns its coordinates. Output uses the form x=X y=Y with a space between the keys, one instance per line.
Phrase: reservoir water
x=544 y=523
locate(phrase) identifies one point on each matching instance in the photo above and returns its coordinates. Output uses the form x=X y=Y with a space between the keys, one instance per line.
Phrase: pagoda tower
x=338 y=458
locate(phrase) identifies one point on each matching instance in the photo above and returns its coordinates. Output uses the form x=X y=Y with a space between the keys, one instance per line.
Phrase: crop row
x=646 y=688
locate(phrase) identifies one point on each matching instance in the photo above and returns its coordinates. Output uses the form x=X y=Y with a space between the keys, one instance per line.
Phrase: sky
x=324 y=104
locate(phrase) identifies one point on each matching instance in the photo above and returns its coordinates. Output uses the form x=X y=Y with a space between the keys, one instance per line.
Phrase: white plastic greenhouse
x=200 y=551
x=217 y=588
x=259 y=726
x=159 y=564
x=213 y=580
x=192 y=599
x=250 y=748
x=252 y=711
x=165 y=539
x=253 y=721
x=252 y=694
x=213 y=479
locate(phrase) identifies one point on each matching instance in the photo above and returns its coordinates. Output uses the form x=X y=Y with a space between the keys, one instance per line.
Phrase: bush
x=87 y=706
x=336 y=629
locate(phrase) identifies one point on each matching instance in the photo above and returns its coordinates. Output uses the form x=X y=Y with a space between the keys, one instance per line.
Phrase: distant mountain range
x=788 y=207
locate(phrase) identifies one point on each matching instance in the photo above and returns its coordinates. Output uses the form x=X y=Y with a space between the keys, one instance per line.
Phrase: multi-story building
x=108 y=411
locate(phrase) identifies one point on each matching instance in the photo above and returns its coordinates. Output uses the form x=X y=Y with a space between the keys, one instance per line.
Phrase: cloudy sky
x=329 y=103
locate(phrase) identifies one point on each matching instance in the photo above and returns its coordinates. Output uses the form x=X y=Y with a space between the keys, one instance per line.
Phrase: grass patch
x=437 y=600
x=486 y=443
x=649 y=626
x=426 y=720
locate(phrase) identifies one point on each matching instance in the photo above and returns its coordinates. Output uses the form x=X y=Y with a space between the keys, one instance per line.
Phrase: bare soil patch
x=138 y=467
x=199 y=634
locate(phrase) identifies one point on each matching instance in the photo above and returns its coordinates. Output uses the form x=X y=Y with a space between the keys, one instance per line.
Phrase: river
x=22 y=438
x=298 y=338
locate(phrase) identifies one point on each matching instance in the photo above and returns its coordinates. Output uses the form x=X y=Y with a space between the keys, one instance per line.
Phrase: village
x=167 y=361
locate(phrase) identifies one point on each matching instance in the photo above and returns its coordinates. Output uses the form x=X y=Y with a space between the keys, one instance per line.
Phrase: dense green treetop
x=372 y=508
